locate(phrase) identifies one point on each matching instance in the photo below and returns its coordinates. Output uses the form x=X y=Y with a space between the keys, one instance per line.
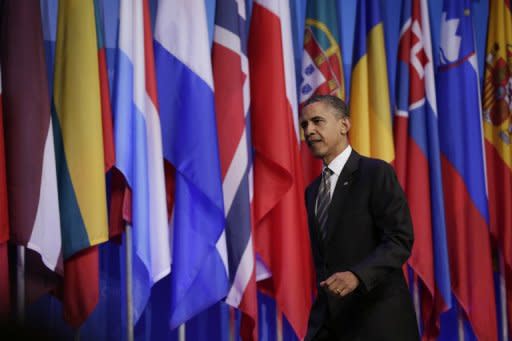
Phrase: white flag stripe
x=430 y=88
x=178 y=44
x=417 y=104
x=241 y=8
x=235 y=173
x=227 y=39
x=289 y=64
x=159 y=233
x=243 y=275
x=132 y=37
x=222 y=249
x=46 y=237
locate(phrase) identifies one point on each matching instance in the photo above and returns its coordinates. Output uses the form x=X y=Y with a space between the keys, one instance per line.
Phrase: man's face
x=324 y=132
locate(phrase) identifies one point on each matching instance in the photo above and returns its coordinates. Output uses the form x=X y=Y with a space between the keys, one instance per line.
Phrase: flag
x=138 y=143
x=322 y=67
x=231 y=83
x=79 y=156
x=4 y=223
x=199 y=273
x=371 y=133
x=29 y=146
x=106 y=107
x=462 y=161
x=497 y=122
x=117 y=187
x=280 y=223
x=418 y=163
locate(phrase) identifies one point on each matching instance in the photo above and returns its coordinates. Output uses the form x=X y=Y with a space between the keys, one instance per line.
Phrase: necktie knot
x=327 y=172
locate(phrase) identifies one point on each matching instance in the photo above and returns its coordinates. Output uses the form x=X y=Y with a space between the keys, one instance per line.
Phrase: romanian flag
x=371 y=133
x=322 y=66
x=79 y=156
x=497 y=122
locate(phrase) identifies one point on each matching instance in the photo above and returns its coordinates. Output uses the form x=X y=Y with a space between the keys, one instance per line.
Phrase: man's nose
x=308 y=130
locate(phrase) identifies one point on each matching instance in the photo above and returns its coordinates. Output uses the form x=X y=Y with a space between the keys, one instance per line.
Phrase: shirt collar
x=339 y=161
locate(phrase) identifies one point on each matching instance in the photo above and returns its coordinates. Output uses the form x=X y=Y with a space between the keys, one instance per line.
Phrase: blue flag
x=199 y=274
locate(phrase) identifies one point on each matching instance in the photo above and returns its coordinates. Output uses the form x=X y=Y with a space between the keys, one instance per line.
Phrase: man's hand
x=340 y=283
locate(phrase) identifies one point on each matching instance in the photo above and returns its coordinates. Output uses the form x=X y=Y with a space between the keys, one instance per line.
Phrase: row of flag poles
x=205 y=166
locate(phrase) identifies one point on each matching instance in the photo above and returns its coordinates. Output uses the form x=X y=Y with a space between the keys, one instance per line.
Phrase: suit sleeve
x=393 y=220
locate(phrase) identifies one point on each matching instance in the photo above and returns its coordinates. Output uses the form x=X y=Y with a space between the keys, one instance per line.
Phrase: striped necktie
x=323 y=200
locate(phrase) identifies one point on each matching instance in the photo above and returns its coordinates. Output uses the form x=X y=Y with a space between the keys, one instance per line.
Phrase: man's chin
x=316 y=153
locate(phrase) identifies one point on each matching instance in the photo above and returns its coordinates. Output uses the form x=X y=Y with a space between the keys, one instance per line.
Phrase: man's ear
x=345 y=125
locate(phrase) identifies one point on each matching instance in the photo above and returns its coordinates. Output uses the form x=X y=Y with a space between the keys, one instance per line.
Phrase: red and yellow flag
x=497 y=123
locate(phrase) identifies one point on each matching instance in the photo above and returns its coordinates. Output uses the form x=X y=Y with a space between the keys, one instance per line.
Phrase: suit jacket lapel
x=311 y=204
x=311 y=200
x=340 y=195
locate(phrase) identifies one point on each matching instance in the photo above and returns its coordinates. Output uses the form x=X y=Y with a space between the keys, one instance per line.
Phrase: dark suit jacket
x=369 y=232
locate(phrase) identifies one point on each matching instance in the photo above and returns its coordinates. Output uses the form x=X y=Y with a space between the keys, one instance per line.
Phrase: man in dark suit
x=361 y=235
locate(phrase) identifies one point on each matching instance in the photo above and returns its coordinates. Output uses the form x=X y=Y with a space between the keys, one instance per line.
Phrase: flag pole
x=77 y=335
x=503 y=296
x=460 y=324
x=181 y=332
x=129 y=299
x=232 y=322
x=279 y=324
x=20 y=285
x=416 y=297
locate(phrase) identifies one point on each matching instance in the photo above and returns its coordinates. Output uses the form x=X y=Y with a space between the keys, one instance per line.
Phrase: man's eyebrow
x=311 y=118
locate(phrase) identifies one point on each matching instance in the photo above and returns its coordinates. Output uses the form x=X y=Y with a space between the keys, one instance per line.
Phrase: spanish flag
x=371 y=132
x=79 y=156
x=497 y=123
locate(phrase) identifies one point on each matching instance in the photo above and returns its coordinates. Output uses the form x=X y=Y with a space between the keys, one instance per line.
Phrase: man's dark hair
x=339 y=105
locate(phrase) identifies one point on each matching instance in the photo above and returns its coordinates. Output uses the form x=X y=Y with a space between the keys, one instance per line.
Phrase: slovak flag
x=418 y=165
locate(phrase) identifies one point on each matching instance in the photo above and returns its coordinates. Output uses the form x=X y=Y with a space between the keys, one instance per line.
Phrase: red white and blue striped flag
x=462 y=164
x=190 y=145
x=139 y=150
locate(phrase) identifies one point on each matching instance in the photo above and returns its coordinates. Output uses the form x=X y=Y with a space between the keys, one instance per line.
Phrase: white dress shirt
x=336 y=166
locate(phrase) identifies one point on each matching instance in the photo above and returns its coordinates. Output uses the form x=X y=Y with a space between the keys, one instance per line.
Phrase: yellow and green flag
x=79 y=156
x=79 y=137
